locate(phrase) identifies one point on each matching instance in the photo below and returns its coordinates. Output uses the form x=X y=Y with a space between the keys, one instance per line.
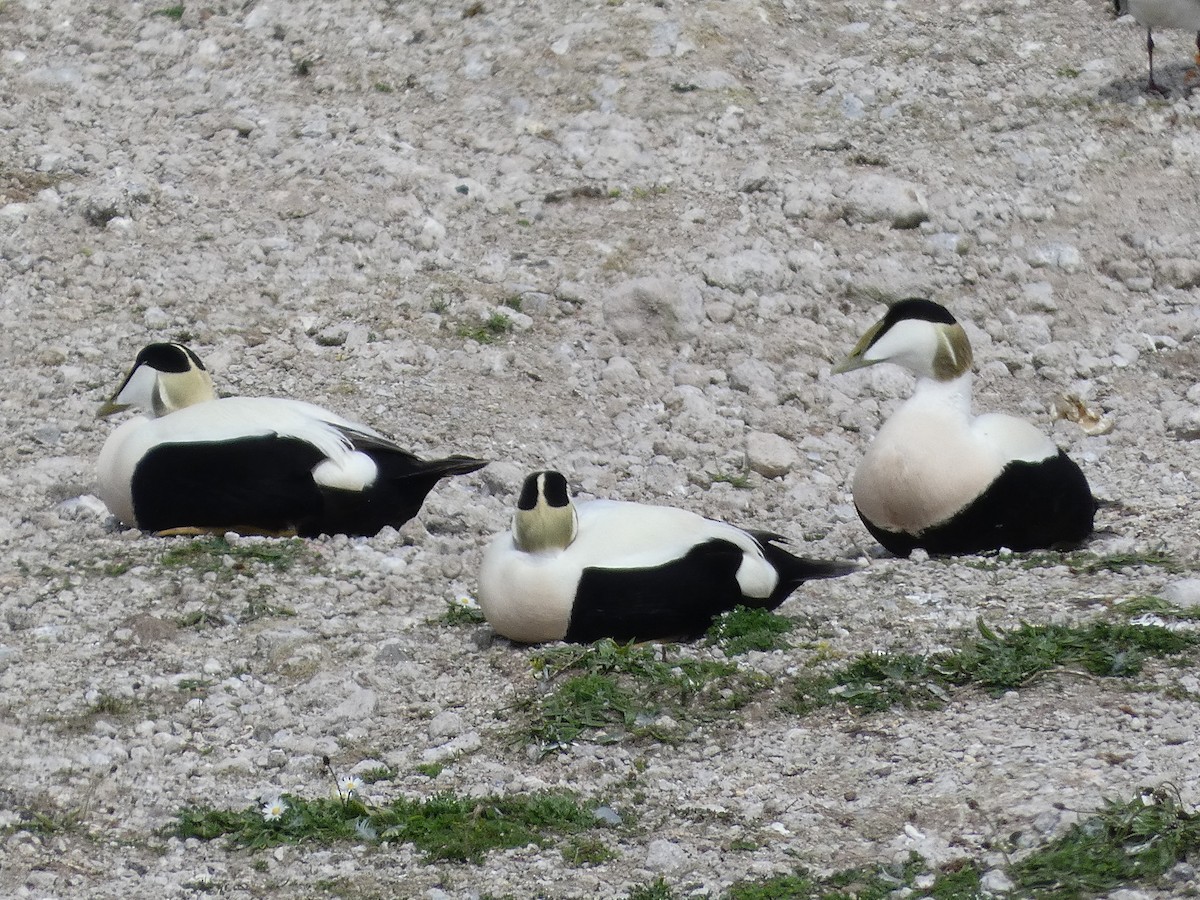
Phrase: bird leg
x=1151 y=85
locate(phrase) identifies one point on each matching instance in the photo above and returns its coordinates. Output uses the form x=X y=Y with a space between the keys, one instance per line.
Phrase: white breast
x=528 y=596
x=932 y=458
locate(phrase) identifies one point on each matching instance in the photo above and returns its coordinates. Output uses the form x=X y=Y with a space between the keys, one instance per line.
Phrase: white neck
x=952 y=396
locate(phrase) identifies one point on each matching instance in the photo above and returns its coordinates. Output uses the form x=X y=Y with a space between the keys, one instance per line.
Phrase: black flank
x=265 y=483
x=1030 y=506
x=679 y=599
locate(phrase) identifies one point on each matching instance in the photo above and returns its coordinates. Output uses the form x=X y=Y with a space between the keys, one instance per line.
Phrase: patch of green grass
x=1080 y=562
x=654 y=190
x=383 y=87
x=379 y=773
x=1127 y=842
x=171 y=12
x=430 y=770
x=458 y=613
x=743 y=629
x=996 y=661
x=257 y=607
x=586 y=850
x=656 y=890
x=609 y=692
x=513 y=302
x=208 y=554
x=493 y=327
x=47 y=822
x=444 y=827
x=1156 y=606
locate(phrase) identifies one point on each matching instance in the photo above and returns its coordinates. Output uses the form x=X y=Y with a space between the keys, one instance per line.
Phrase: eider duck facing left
x=257 y=465
x=938 y=477
x=627 y=571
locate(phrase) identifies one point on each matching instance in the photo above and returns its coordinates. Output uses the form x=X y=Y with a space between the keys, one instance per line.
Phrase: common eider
x=627 y=571
x=942 y=479
x=262 y=465
x=1151 y=14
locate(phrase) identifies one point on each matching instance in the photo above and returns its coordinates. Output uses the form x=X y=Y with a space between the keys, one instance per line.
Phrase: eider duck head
x=919 y=335
x=545 y=518
x=165 y=377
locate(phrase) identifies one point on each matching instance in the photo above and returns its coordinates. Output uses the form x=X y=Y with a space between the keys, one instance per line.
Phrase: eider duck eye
x=606 y=568
x=942 y=479
x=260 y=465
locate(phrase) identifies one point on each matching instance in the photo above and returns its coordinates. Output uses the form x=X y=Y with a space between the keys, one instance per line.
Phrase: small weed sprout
x=463 y=611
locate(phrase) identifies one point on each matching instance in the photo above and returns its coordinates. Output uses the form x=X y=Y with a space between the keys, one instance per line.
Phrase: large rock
x=878 y=198
x=646 y=308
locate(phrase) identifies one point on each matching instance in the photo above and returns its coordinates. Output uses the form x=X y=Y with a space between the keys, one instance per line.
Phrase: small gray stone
x=769 y=454
x=665 y=856
x=445 y=725
x=1184 y=592
x=880 y=198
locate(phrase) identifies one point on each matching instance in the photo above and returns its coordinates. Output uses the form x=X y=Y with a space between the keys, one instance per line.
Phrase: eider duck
x=942 y=479
x=627 y=571
x=1151 y=14
x=258 y=465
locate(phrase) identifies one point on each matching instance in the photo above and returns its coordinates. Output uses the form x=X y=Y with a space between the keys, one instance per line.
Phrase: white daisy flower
x=273 y=809
x=348 y=785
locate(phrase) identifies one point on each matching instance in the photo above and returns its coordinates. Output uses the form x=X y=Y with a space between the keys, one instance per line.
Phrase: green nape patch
x=215 y=554
x=609 y=692
x=743 y=629
x=445 y=826
x=997 y=661
x=1136 y=841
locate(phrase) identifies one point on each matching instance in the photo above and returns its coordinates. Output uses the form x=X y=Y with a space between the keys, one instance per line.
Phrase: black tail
x=451 y=465
x=795 y=570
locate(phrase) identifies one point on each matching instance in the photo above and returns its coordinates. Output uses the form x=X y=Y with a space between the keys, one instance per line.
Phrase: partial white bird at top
x=1151 y=14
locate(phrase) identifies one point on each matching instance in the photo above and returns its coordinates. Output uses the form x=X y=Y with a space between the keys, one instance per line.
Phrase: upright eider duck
x=942 y=479
x=1151 y=14
x=627 y=571
x=261 y=465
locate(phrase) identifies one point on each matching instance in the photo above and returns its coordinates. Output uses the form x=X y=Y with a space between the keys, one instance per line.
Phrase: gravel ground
x=698 y=206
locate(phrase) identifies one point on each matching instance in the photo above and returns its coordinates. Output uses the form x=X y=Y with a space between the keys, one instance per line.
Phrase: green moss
x=744 y=629
x=208 y=554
